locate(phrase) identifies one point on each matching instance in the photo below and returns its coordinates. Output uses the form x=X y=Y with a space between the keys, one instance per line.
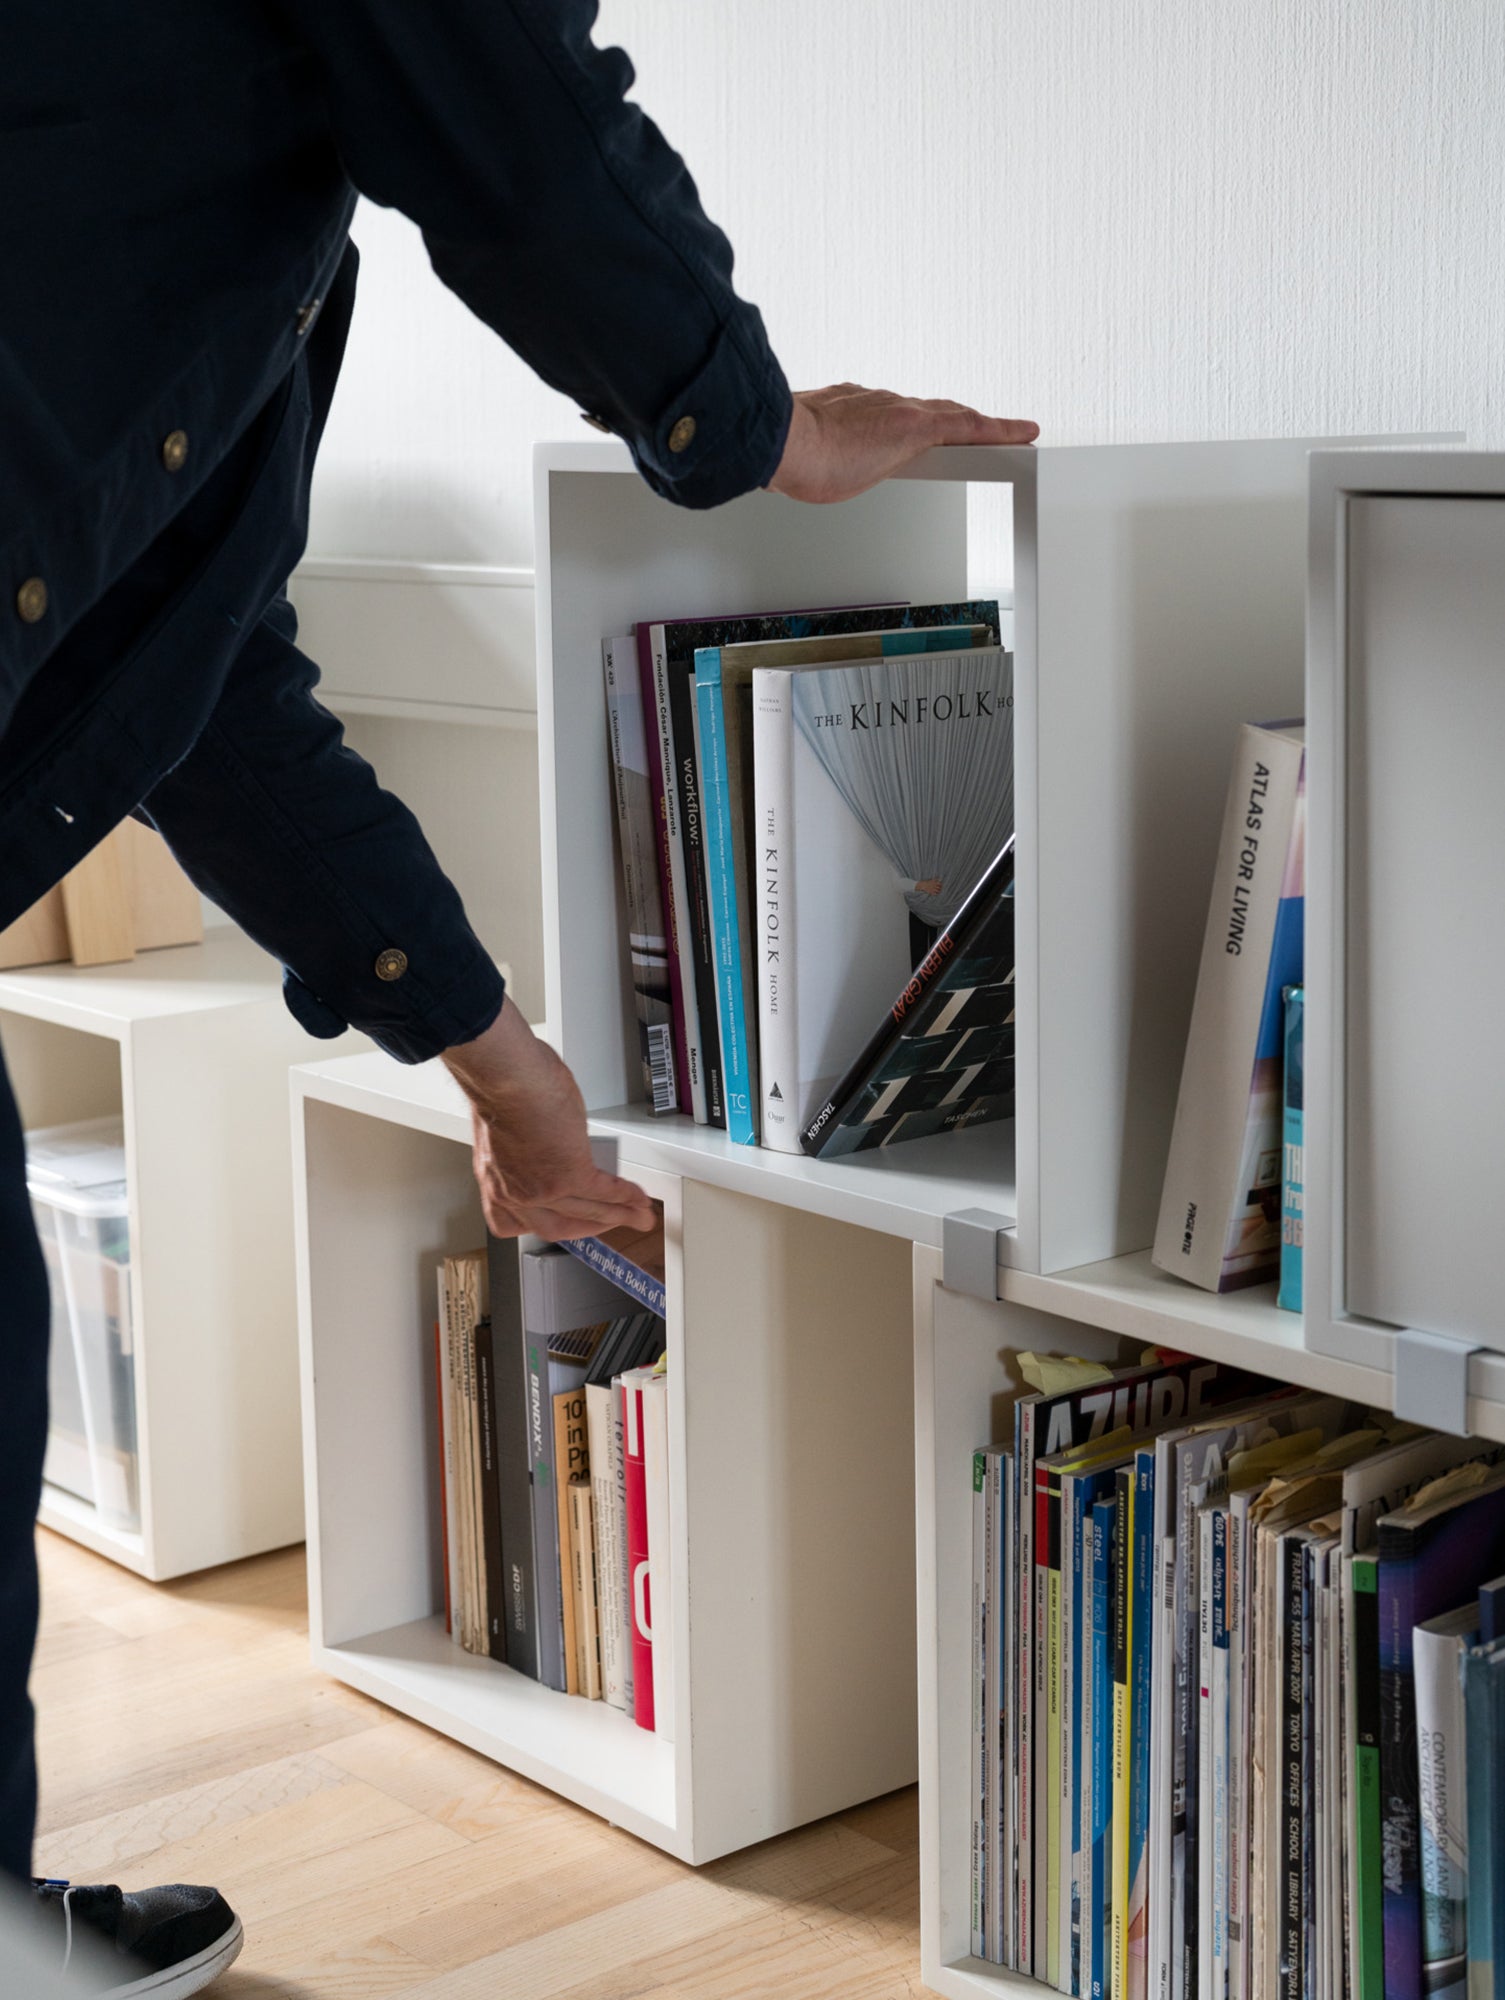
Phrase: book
x=673 y=872
x=631 y=1259
x=462 y=1284
x=1484 y=1731
x=682 y=782
x=491 y=1504
x=882 y=791
x=1001 y=1615
x=1434 y=1551
x=1368 y=1959
x=660 y=1546
x=1098 y=1899
x=1292 y=1198
x=1082 y=1491
x=647 y=937
x=570 y=1462
x=1123 y=1613
x=1437 y=1647
x=1492 y=1611
x=446 y=1464
x=639 y=1578
x=914 y=1059
x=511 y=1425
x=979 y=1756
x=609 y=1537
x=583 y=1587
x=1141 y=1781
x=1219 y=1223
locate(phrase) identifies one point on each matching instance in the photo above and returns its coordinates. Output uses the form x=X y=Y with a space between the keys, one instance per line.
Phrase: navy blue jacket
x=176 y=279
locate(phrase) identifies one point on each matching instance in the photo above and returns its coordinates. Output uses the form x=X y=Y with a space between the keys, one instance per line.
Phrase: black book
x=964 y=985
x=491 y=1504
x=1295 y=1657
x=685 y=778
x=514 y=1488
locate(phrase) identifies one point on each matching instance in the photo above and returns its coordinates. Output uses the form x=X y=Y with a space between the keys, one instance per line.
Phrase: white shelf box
x=1158 y=594
x=190 y=1048
x=1405 y=1090
x=790 y=1437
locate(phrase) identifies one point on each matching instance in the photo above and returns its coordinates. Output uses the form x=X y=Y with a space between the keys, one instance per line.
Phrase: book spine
x=1074 y=1497
x=514 y=1483
x=1054 y=1728
x=1217 y=1923
x=446 y=1474
x=1202 y=1776
x=1237 y=1750
x=1203 y=1170
x=639 y=1285
x=979 y=1759
x=682 y=933
x=1024 y=1537
x=1141 y=1669
x=775 y=931
x=737 y=1051
x=993 y=1653
x=570 y=1462
x=1442 y=1773
x=1044 y=1870
x=608 y=1528
x=1086 y=1771
x=660 y=1549
x=655 y=728
x=545 y=1510
x=1099 y=1907
x=1400 y=1829
x=1290 y=1960
x=1293 y=1153
x=1123 y=1584
x=491 y=1506
x=1485 y=1860
x=691 y=819
x=647 y=944
x=583 y=1579
x=627 y=1628
x=637 y=1553
x=1000 y=1493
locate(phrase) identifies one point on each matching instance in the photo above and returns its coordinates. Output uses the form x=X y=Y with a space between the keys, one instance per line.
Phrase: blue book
x=1097 y=1899
x=1484 y=1737
x=1081 y=1493
x=633 y=1262
x=1141 y=1629
x=1432 y=1557
x=1293 y=1168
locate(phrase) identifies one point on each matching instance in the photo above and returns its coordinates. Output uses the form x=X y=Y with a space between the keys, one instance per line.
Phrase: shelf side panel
x=1169 y=588
x=799 y=1512
x=610 y=553
x=385 y=1205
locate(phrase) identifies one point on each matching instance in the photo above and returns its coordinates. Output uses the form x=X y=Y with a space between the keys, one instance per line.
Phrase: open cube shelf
x=790 y=1423
x=1158 y=594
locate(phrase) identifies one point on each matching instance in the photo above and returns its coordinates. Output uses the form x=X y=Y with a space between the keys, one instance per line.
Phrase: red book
x=640 y=1605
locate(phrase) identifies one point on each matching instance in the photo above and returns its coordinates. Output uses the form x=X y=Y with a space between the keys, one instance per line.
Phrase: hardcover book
x=883 y=790
x=917 y=1061
x=1293 y=1198
x=1219 y=1223
x=631 y=1259
x=640 y=1600
x=648 y=941
x=1438 y=1647
x=609 y=1532
x=514 y=1486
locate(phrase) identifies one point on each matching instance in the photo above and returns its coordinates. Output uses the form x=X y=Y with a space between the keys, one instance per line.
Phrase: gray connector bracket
x=969 y=1251
x=1431 y=1379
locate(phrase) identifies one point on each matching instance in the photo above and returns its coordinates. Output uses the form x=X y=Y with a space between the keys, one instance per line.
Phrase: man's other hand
x=845 y=439
x=532 y=1154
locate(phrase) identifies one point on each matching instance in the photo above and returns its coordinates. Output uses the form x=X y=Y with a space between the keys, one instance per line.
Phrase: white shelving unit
x=1158 y=601
x=791 y=1431
x=190 y=1046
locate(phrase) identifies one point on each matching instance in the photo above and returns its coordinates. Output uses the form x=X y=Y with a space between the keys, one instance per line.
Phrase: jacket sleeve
x=287 y=829
x=559 y=214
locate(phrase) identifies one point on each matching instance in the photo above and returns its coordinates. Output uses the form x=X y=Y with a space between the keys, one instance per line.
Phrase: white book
x=979 y=1942
x=883 y=790
x=1219 y=1219
x=660 y=1546
x=609 y=1523
x=1438 y=1647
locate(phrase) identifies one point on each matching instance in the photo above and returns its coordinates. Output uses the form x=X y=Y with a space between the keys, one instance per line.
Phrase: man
x=178 y=182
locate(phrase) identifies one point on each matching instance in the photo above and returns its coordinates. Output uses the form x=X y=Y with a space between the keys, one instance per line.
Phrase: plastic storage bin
x=76 y=1178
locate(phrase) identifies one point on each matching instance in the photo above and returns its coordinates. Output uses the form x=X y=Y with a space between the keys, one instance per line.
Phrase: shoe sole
x=189 y=1975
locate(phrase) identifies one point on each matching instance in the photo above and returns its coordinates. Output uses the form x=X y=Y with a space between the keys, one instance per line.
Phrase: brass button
x=31 y=601
x=596 y=423
x=683 y=434
x=175 y=450
x=392 y=964
x=307 y=315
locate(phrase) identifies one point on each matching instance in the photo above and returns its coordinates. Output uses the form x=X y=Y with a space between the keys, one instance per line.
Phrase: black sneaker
x=162 y=1944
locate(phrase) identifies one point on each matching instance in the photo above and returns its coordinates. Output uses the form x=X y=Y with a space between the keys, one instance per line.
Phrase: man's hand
x=845 y=439
x=532 y=1155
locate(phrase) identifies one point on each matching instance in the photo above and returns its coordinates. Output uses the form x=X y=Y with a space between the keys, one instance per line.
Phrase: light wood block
x=128 y=895
x=97 y=908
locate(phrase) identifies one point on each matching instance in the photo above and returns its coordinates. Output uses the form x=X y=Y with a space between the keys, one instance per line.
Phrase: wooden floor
x=184 y=1737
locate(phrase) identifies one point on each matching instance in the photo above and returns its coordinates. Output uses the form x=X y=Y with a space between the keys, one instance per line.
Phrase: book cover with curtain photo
x=884 y=790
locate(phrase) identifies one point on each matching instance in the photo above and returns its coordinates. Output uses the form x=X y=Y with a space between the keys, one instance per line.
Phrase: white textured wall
x=1125 y=218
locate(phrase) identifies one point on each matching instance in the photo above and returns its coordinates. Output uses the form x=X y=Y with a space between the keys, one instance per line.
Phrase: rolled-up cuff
x=724 y=434
x=466 y=1009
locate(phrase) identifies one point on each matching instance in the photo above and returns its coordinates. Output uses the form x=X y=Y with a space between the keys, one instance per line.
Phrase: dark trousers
x=23 y=1441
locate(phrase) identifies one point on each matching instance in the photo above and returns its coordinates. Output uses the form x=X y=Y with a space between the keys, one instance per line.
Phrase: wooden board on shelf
x=127 y=895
